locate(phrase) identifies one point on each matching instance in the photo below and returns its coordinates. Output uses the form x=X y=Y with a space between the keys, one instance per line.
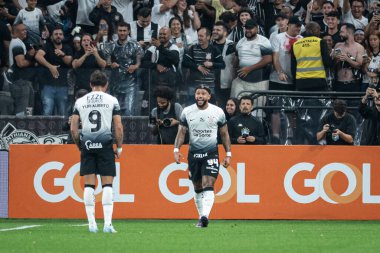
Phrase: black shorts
x=203 y=164
x=100 y=163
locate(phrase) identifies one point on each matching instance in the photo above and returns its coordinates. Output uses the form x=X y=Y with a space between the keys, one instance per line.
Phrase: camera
x=332 y=128
x=338 y=51
x=166 y=122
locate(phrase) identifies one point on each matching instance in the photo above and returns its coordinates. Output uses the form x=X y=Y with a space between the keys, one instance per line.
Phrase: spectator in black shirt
x=371 y=114
x=245 y=128
x=105 y=10
x=337 y=127
x=5 y=38
x=21 y=60
x=163 y=58
x=206 y=13
x=86 y=61
x=56 y=59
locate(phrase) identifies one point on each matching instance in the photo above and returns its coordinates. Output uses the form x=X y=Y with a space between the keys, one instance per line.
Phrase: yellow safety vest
x=309 y=58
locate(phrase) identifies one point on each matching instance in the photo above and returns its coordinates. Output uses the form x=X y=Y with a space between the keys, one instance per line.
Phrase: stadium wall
x=263 y=182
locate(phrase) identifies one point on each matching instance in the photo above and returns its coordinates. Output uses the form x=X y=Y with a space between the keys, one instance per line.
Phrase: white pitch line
x=80 y=225
x=19 y=228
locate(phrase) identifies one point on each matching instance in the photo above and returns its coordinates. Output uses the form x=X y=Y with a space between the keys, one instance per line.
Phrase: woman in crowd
x=87 y=61
x=238 y=31
x=232 y=108
x=179 y=37
x=371 y=62
x=104 y=32
x=190 y=19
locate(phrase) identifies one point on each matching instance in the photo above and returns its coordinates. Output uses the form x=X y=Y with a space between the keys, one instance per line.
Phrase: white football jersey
x=203 y=126
x=96 y=110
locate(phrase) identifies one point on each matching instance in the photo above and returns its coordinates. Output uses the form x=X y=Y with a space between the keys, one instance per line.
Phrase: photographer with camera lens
x=337 y=127
x=245 y=128
x=164 y=118
x=371 y=114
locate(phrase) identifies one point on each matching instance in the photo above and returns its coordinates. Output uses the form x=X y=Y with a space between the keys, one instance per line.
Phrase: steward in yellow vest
x=310 y=57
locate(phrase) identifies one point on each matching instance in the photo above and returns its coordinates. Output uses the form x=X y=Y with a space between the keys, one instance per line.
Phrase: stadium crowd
x=49 y=48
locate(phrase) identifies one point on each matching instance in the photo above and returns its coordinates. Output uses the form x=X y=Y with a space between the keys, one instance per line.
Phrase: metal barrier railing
x=299 y=113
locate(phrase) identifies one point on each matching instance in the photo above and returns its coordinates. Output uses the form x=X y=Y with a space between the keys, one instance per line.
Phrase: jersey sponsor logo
x=93 y=145
x=95 y=99
x=200 y=155
x=201 y=133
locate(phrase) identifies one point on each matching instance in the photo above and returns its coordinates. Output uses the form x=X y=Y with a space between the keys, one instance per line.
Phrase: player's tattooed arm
x=226 y=144
x=74 y=128
x=179 y=140
x=118 y=130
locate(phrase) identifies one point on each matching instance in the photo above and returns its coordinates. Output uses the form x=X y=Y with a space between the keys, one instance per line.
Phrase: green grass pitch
x=182 y=236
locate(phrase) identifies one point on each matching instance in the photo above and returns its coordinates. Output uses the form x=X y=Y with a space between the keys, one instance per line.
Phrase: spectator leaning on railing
x=245 y=128
x=371 y=114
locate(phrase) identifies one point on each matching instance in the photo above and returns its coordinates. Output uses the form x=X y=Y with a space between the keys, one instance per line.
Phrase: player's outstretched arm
x=226 y=144
x=118 y=128
x=179 y=140
x=74 y=128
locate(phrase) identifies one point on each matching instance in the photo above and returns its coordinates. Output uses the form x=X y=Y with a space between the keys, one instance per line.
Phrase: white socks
x=107 y=201
x=198 y=203
x=204 y=202
x=89 y=203
x=207 y=202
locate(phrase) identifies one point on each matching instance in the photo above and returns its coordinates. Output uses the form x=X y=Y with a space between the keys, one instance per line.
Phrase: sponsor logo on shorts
x=200 y=155
x=93 y=145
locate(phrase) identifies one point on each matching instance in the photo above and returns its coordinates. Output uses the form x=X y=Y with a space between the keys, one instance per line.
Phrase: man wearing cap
x=281 y=25
x=337 y=127
x=203 y=121
x=255 y=53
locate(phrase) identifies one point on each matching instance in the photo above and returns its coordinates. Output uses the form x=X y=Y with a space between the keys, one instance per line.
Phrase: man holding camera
x=245 y=128
x=337 y=127
x=164 y=118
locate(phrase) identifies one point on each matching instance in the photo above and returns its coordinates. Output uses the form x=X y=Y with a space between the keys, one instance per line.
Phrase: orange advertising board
x=262 y=182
